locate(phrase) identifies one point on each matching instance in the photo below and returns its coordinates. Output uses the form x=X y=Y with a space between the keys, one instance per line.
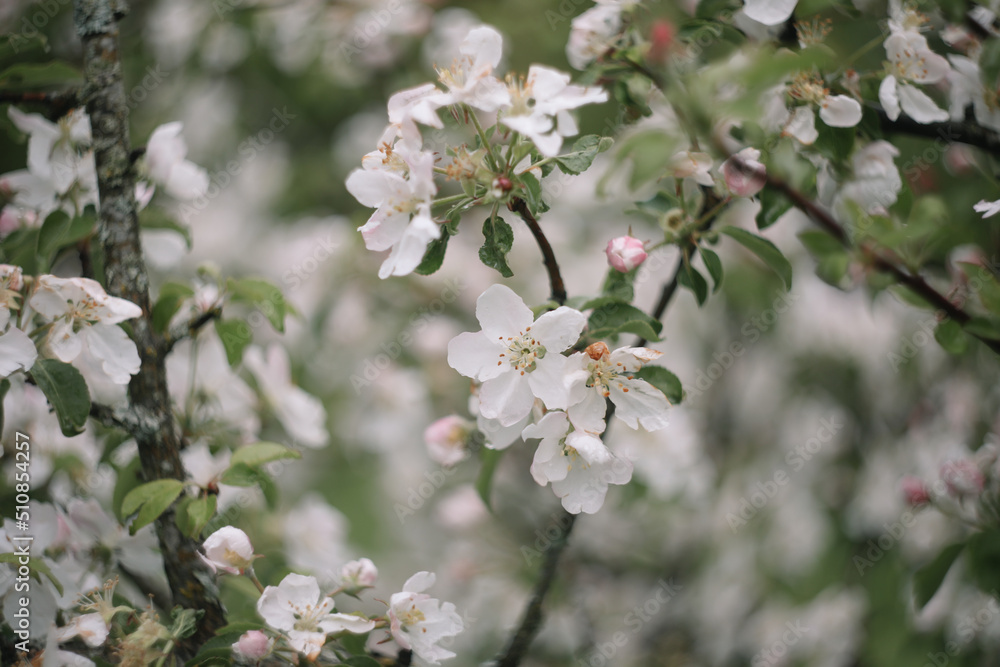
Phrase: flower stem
x=520 y=207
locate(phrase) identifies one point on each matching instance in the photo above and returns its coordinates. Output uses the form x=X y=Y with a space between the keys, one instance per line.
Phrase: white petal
x=187 y=181
x=588 y=414
x=840 y=111
x=919 y=106
x=476 y=356
x=110 y=344
x=485 y=45
x=559 y=329
x=419 y=582
x=987 y=208
x=888 y=96
x=63 y=342
x=347 y=622
x=552 y=425
x=643 y=404
x=17 y=352
x=409 y=251
x=802 y=126
x=770 y=12
x=502 y=313
x=506 y=398
x=548 y=381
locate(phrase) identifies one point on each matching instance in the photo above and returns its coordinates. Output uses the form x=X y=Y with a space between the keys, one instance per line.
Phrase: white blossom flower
x=987 y=208
x=418 y=622
x=470 y=78
x=540 y=107
x=228 y=549
x=358 y=575
x=593 y=32
x=770 y=12
x=967 y=88
x=515 y=357
x=57 y=152
x=296 y=607
x=91 y=628
x=84 y=325
x=911 y=60
x=301 y=414
x=402 y=220
x=576 y=463
x=800 y=122
x=165 y=164
x=597 y=374
x=17 y=352
x=446 y=439
x=876 y=183
x=693 y=165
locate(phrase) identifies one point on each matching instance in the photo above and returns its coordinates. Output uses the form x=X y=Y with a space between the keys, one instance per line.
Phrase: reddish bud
x=661 y=39
x=915 y=491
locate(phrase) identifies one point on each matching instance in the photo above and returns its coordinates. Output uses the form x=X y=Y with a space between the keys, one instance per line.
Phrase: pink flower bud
x=661 y=38
x=915 y=491
x=963 y=478
x=228 y=549
x=253 y=645
x=358 y=575
x=625 y=253
x=744 y=175
x=446 y=439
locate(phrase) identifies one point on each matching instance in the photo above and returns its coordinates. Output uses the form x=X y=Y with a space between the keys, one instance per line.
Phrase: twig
x=531 y=619
x=519 y=206
x=155 y=427
x=961 y=131
x=58 y=103
x=188 y=329
x=111 y=418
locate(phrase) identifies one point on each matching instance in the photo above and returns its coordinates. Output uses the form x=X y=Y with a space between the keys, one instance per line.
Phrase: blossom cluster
x=301 y=618
x=528 y=388
x=967 y=489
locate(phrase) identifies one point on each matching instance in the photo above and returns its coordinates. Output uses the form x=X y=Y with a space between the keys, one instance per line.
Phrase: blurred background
x=764 y=526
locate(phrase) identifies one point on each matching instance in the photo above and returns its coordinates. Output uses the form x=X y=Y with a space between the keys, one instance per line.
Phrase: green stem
x=482 y=136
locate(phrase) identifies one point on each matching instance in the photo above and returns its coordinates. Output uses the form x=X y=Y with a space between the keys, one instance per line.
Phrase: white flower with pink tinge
x=402 y=221
x=625 y=253
x=17 y=351
x=576 y=463
x=84 y=324
x=165 y=164
x=514 y=356
x=744 y=174
x=228 y=549
x=418 y=622
x=297 y=608
x=911 y=60
x=540 y=107
x=470 y=78
x=598 y=374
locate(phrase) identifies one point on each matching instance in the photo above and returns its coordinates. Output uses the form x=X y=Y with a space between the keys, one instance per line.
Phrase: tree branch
x=188 y=329
x=531 y=619
x=520 y=207
x=154 y=427
x=58 y=103
x=964 y=132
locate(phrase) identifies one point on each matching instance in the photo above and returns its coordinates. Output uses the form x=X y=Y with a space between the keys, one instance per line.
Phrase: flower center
x=808 y=88
x=603 y=373
x=412 y=616
x=522 y=352
x=521 y=97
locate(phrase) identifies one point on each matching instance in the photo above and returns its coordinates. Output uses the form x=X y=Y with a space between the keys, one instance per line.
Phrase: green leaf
x=67 y=392
x=20 y=248
x=50 y=236
x=239 y=627
x=650 y=152
x=585 y=149
x=690 y=278
x=241 y=474
x=499 y=240
x=127 y=479
x=434 y=255
x=36 y=565
x=927 y=580
x=982 y=555
x=773 y=205
x=34 y=75
x=764 y=249
x=151 y=500
x=235 y=336
x=619 y=286
x=263 y=295
x=836 y=143
x=664 y=380
x=185 y=622
x=950 y=336
x=714 y=266
x=260 y=453
x=989 y=63
x=484 y=482
x=171 y=296
x=612 y=316
x=194 y=513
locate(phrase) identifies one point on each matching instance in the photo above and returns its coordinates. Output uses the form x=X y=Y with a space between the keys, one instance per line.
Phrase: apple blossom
x=17 y=352
x=967 y=88
x=876 y=182
x=911 y=60
x=592 y=32
x=987 y=208
x=57 y=152
x=91 y=628
x=301 y=414
x=165 y=164
x=693 y=165
x=470 y=78
x=296 y=607
x=576 y=463
x=515 y=357
x=228 y=549
x=358 y=575
x=744 y=175
x=915 y=491
x=962 y=477
x=770 y=12
x=625 y=253
x=446 y=439
x=252 y=646
x=598 y=374
x=418 y=622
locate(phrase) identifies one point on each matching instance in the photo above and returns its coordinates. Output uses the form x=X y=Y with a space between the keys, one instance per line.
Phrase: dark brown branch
x=188 y=329
x=964 y=132
x=57 y=104
x=880 y=258
x=531 y=619
x=155 y=428
x=519 y=206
